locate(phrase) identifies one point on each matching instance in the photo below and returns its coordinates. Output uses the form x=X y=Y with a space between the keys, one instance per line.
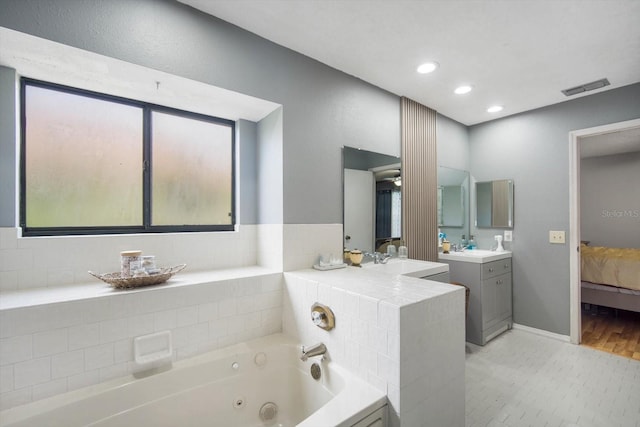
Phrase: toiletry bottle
x=463 y=242
x=403 y=252
x=472 y=243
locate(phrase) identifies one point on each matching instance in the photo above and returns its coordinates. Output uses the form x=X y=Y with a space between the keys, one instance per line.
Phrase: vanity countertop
x=478 y=256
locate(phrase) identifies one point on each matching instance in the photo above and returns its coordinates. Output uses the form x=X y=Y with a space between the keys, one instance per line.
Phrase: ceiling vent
x=586 y=87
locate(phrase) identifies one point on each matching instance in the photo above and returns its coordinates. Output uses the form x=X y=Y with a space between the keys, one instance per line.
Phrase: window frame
x=146 y=168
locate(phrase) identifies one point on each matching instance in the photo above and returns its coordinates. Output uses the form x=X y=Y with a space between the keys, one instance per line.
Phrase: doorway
x=575 y=141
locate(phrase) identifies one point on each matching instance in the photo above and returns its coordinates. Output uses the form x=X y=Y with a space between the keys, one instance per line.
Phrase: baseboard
x=559 y=337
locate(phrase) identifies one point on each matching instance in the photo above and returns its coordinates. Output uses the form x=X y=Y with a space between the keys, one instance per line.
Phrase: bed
x=611 y=277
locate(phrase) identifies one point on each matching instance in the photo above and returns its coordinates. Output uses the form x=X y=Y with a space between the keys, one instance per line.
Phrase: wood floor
x=603 y=330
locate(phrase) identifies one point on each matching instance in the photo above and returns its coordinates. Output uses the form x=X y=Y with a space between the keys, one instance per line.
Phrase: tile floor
x=523 y=379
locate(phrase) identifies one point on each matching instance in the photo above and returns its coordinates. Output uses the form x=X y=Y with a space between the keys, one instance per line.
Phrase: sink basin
x=407 y=267
x=474 y=252
x=475 y=255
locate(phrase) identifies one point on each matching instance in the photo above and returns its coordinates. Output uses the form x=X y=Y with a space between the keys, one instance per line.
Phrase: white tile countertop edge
x=372 y=281
x=97 y=289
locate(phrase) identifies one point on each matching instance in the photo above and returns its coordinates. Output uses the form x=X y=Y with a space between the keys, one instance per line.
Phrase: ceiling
x=519 y=54
x=606 y=144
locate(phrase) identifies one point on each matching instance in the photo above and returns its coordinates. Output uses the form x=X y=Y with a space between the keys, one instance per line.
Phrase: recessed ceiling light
x=461 y=90
x=494 y=109
x=427 y=67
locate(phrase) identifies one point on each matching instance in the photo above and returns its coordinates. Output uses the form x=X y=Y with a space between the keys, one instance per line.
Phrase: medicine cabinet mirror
x=494 y=204
x=372 y=200
x=453 y=202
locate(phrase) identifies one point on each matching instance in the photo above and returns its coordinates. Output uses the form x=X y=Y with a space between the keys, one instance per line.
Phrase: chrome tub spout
x=313 y=350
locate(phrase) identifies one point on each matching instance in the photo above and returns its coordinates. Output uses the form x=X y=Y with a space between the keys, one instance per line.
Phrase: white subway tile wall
x=270 y=245
x=53 y=348
x=35 y=262
x=303 y=244
x=408 y=347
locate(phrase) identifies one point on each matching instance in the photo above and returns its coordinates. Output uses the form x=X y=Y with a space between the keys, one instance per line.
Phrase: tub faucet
x=313 y=350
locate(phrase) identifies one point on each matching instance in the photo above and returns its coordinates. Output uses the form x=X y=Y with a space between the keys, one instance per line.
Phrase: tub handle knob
x=322 y=316
x=318 y=317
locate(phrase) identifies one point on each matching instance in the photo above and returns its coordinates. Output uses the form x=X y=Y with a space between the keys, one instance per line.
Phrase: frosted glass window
x=92 y=163
x=83 y=160
x=192 y=171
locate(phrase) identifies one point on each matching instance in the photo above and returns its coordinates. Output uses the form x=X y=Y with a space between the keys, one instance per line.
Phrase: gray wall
x=247 y=176
x=365 y=160
x=270 y=203
x=532 y=148
x=8 y=148
x=610 y=200
x=323 y=109
x=453 y=143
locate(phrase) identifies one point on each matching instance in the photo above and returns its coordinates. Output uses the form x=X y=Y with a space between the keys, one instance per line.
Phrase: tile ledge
x=96 y=289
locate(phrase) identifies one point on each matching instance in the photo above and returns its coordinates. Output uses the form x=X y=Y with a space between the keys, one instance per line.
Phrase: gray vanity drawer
x=495 y=268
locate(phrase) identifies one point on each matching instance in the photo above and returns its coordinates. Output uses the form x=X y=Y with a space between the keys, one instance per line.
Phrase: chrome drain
x=268 y=411
x=315 y=371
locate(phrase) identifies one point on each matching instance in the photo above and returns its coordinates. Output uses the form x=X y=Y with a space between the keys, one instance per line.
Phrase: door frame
x=575 y=326
x=365 y=188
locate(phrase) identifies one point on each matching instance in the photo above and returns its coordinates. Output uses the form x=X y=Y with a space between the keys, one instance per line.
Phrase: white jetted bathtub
x=257 y=383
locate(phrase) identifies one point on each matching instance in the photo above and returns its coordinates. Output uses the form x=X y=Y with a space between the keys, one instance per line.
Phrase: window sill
x=97 y=289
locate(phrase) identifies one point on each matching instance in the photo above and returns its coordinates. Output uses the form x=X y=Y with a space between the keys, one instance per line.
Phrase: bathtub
x=233 y=386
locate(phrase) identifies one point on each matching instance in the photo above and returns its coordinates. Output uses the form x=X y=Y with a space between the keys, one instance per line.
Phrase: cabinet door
x=503 y=295
x=489 y=302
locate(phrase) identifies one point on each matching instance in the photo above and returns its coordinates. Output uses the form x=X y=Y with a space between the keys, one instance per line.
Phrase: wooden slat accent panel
x=419 y=180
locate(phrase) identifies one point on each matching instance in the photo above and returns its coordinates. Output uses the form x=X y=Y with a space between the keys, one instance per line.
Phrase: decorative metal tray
x=119 y=282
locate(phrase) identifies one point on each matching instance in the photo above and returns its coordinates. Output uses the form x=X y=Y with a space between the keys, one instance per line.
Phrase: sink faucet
x=379 y=258
x=313 y=350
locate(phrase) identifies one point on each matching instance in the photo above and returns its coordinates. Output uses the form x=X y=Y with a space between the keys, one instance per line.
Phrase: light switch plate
x=556 y=237
x=508 y=235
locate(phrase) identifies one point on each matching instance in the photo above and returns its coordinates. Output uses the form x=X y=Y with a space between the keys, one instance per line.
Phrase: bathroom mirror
x=453 y=202
x=372 y=199
x=494 y=204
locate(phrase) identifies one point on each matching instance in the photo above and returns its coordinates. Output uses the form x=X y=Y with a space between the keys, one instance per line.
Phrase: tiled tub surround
x=75 y=336
x=61 y=329
x=79 y=332
x=403 y=335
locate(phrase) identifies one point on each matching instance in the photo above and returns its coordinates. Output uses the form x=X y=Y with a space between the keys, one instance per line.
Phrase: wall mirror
x=372 y=200
x=453 y=202
x=494 y=204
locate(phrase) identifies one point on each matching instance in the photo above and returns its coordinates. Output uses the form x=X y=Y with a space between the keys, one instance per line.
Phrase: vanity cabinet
x=490 y=302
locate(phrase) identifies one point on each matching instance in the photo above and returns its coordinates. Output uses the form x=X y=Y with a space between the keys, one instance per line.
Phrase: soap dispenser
x=472 y=243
